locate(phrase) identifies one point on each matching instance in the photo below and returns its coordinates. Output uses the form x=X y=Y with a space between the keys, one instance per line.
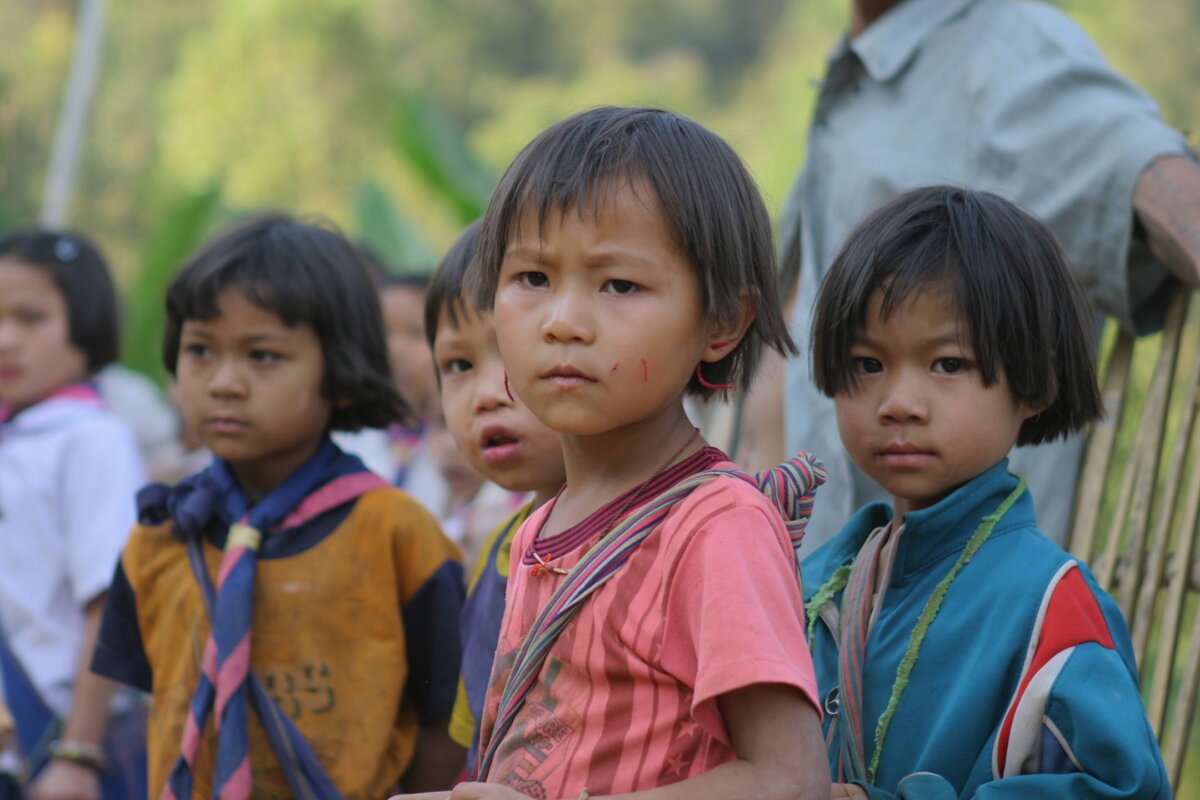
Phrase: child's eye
x=618 y=286
x=864 y=365
x=455 y=366
x=196 y=350
x=264 y=356
x=31 y=317
x=950 y=366
x=534 y=280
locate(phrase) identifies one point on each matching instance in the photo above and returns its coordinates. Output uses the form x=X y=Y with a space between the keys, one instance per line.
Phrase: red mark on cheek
x=615 y=366
x=507 y=390
x=645 y=371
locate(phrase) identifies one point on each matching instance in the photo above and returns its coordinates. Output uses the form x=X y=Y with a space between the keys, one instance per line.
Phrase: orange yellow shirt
x=355 y=636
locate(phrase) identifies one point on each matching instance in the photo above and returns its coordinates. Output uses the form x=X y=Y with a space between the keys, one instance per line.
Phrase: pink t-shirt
x=709 y=603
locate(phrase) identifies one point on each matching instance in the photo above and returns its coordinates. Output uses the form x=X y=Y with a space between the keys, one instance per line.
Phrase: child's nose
x=226 y=379
x=9 y=336
x=569 y=319
x=904 y=400
x=492 y=389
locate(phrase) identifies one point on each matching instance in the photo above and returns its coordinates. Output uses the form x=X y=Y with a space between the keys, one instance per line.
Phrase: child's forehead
x=236 y=305
x=613 y=195
x=930 y=306
x=459 y=321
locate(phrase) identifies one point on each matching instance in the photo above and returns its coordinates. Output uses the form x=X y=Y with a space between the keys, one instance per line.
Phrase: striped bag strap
x=795 y=486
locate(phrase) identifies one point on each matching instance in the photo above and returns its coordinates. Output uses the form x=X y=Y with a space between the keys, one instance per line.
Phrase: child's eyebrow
x=945 y=339
x=525 y=251
x=259 y=338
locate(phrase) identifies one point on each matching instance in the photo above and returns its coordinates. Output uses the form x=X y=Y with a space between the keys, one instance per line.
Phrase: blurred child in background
x=502 y=440
x=427 y=462
x=69 y=470
x=286 y=593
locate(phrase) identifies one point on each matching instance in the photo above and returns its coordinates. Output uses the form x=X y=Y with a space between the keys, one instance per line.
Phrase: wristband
x=85 y=754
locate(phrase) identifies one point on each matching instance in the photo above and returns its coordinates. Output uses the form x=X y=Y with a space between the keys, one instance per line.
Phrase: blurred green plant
x=436 y=148
x=181 y=228
x=382 y=227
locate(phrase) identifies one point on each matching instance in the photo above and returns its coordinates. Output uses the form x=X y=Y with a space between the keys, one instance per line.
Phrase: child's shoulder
x=393 y=508
x=391 y=517
x=730 y=504
x=150 y=549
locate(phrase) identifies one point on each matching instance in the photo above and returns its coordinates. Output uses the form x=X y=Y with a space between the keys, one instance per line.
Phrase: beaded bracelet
x=85 y=754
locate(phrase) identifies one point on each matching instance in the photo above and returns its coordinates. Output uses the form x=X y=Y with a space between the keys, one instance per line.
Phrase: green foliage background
x=299 y=104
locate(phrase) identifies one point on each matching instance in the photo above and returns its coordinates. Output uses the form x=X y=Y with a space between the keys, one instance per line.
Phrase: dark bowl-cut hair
x=708 y=200
x=1025 y=312
x=447 y=287
x=306 y=273
x=81 y=274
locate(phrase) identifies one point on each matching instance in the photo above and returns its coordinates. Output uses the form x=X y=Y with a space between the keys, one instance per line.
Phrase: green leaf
x=382 y=227
x=435 y=146
x=179 y=233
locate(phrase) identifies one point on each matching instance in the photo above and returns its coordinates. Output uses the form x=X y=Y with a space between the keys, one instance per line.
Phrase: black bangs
x=708 y=200
x=447 y=288
x=305 y=273
x=1023 y=309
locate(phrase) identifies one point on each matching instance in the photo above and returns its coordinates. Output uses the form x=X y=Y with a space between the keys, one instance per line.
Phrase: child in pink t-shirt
x=628 y=258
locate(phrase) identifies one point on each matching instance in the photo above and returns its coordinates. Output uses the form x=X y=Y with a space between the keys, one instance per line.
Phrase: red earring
x=706 y=384
x=507 y=390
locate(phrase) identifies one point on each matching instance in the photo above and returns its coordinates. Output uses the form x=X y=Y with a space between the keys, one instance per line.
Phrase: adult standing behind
x=1010 y=97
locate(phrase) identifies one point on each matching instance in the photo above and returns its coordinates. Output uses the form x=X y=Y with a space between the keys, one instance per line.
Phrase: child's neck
x=260 y=477
x=604 y=466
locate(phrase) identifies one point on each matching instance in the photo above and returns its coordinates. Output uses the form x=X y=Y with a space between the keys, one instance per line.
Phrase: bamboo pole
x=1165 y=509
x=1148 y=439
x=1100 y=447
x=72 y=119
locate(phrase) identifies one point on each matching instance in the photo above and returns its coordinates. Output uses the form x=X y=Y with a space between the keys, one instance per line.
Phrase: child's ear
x=724 y=335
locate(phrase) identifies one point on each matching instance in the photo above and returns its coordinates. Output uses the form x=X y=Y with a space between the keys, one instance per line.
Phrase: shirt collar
x=891 y=41
x=933 y=533
x=65 y=403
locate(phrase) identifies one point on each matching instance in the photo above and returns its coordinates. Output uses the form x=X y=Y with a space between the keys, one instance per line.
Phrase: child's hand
x=468 y=791
x=840 y=791
x=485 y=791
x=63 y=780
x=7 y=727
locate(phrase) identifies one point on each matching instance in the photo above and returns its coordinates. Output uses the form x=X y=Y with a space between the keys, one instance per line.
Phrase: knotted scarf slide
x=791 y=488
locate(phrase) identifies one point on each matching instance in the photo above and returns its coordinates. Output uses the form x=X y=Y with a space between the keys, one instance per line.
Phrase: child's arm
x=1079 y=729
x=85 y=725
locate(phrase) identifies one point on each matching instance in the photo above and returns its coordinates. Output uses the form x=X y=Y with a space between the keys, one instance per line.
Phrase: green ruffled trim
x=928 y=614
x=832 y=586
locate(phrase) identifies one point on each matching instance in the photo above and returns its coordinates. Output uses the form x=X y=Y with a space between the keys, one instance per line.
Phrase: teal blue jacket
x=1026 y=685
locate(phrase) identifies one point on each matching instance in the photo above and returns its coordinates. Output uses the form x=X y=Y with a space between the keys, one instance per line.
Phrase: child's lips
x=227 y=425
x=10 y=372
x=498 y=444
x=566 y=376
x=905 y=455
